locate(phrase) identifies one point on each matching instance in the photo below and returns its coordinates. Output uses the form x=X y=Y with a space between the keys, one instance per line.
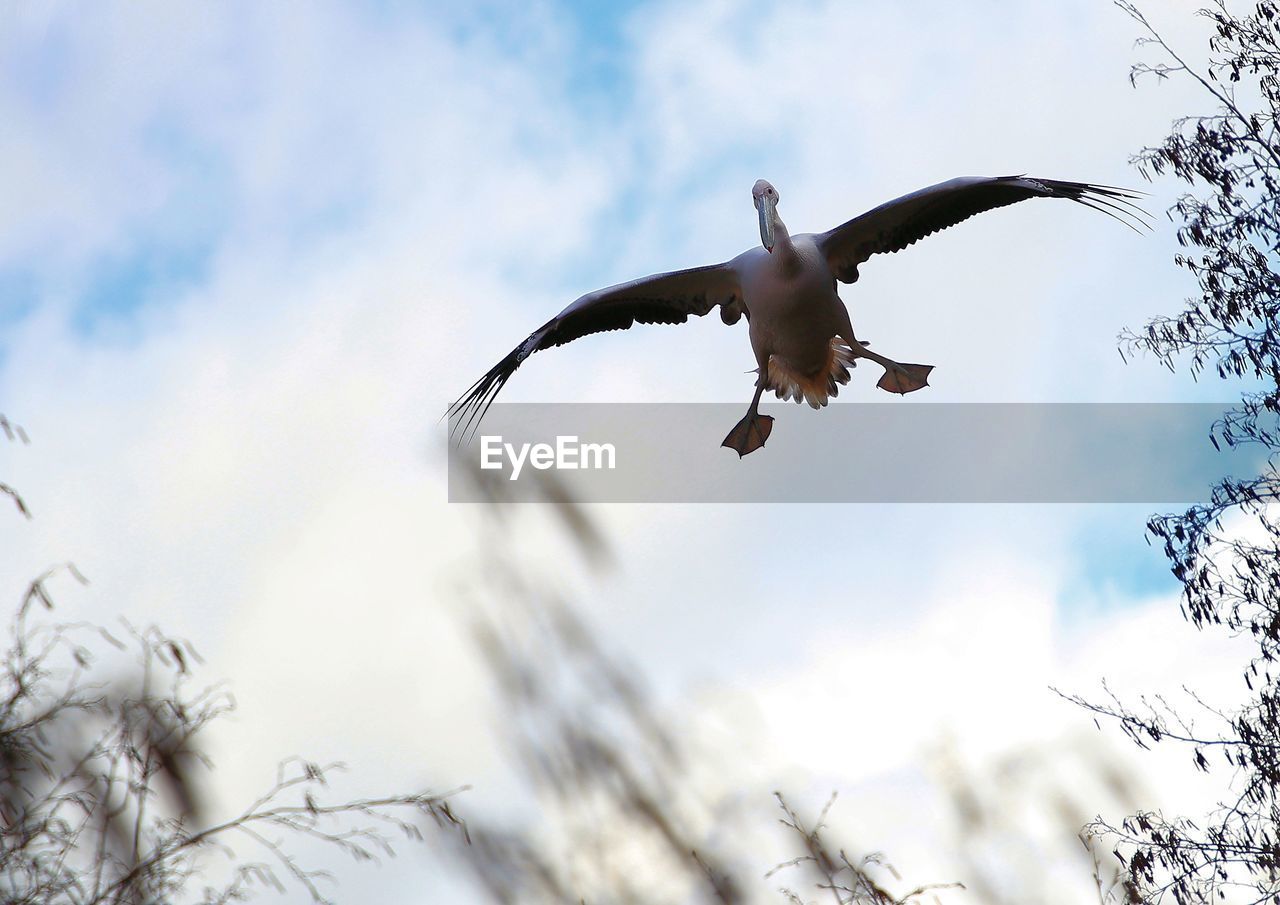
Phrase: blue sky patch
x=118 y=286
x=1114 y=562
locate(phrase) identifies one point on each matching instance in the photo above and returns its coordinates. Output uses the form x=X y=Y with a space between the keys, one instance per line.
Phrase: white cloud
x=253 y=461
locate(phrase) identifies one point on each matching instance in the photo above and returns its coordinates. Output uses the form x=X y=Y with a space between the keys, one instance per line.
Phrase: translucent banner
x=1156 y=453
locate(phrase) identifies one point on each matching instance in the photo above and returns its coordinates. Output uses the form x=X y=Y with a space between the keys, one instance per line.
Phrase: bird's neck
x=783 y=248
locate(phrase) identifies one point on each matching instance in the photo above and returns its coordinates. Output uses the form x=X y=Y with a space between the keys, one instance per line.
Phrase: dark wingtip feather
x=1113 y=201
x=466 y=414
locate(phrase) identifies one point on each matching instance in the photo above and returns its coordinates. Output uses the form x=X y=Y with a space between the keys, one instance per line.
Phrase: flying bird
x=786 y=288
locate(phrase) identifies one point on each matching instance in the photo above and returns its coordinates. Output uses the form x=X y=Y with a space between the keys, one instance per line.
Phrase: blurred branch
x=100 y=799
x=623 y=811
x=849 y=883
x=10 y=492
x=13 y=432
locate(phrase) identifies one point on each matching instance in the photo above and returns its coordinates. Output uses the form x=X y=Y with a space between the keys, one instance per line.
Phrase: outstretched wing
x=895 y=225
x=664 y=298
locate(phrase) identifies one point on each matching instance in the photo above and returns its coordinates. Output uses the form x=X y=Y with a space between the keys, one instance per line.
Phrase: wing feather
x=904 y=221
x=664 y=298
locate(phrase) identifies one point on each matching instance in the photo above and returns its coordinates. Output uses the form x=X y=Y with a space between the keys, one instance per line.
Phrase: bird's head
x=765 y=197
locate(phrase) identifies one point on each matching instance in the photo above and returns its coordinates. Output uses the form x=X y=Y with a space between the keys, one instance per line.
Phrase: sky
x=248 y=255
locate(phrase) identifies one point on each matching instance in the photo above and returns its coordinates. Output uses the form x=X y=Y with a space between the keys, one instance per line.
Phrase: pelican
x=800 y=333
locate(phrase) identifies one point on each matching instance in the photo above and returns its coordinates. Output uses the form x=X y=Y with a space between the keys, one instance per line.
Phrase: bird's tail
x=815 y=388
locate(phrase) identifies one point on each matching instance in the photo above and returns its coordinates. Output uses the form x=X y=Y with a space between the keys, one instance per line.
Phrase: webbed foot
x=749 y=434
x=905 y=378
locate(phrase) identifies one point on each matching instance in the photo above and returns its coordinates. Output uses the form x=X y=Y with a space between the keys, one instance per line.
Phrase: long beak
x=765 y=207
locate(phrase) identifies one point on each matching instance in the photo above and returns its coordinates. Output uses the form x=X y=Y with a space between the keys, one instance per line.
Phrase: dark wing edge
x=665 y=298
x=904 y=221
